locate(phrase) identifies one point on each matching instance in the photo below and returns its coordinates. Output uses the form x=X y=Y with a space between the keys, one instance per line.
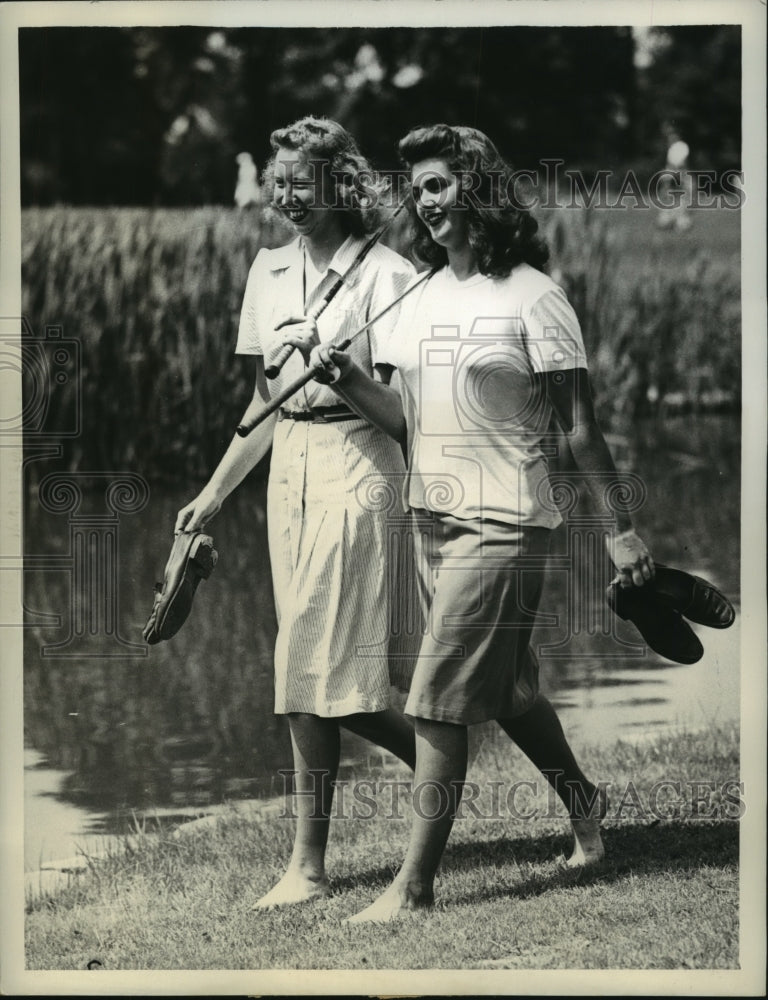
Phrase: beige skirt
x=481 y=582
x=334 y=516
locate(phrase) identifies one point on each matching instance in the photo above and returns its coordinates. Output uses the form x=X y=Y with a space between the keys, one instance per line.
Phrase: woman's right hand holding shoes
x=196 y=514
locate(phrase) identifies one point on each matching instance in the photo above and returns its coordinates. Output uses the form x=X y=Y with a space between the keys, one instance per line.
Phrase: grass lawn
x=638 y=241
x=666 y=897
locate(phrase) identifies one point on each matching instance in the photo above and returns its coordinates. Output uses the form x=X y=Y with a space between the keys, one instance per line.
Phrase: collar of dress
x=289 y=256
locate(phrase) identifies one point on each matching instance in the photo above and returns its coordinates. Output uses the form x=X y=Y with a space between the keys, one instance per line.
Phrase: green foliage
x=156 y=115
x=154 y=297
x=660 y=312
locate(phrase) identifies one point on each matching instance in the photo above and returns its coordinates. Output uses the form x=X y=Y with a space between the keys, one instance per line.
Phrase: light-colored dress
x=467 y=355
x=328 y=541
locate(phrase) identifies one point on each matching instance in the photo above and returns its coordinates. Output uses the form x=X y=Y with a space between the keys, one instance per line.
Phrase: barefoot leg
x=316 y=759
x=540 y=736
x=441 y=765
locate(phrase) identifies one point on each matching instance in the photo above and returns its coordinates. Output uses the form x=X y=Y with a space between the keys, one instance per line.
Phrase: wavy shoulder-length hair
x=501 y=233
x=353 y=185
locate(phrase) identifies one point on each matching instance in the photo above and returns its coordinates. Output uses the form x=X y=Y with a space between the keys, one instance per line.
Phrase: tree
x=89 y=127
x=693 y=86
x=157 y=115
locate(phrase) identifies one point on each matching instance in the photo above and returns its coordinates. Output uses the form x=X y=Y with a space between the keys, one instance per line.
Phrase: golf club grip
x=273 y=370
x=258 y=412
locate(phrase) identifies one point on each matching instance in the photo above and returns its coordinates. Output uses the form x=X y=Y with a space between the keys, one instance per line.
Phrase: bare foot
x=293 y=888
x=394 y=903
x=588 y=844
x=588 y=847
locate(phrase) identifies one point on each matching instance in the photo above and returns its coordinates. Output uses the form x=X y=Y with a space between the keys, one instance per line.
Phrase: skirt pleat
x=329 y=551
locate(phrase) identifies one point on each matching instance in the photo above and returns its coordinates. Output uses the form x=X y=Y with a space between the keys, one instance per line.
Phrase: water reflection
x=191 y=722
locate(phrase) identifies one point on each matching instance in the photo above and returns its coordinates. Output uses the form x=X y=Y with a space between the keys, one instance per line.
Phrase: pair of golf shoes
x=660 y=607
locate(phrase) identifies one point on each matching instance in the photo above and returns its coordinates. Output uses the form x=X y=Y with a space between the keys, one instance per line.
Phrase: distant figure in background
x=675 y=183
x=247 y=191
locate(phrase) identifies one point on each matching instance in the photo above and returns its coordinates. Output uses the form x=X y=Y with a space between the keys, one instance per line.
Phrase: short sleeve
x=553 y=333
x=392 y=279
x=248 y=333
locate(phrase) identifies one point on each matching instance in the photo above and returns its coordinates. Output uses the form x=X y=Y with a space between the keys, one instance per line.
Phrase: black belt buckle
x=320 y=415
x=294 y=414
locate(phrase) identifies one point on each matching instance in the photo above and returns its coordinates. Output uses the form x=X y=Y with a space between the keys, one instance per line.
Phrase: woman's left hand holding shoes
x=631 y=557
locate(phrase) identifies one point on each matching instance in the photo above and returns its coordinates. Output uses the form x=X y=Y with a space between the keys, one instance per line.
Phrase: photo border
x=750 y=978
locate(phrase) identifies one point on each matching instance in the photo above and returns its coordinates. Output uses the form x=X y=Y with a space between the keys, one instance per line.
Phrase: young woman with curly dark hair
x=327 y=550
x=486 y=351
x=500 y=234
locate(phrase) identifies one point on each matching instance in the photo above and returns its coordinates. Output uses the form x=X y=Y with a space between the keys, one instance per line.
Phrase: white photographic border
x=750 y=978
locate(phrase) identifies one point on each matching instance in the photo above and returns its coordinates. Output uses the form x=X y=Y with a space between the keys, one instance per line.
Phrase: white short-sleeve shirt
x=466 y=354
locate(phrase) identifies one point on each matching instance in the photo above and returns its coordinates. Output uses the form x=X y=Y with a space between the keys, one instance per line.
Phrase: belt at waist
x=319 y=414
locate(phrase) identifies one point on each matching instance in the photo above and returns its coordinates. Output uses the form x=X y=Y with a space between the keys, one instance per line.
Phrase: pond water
x=115 y=729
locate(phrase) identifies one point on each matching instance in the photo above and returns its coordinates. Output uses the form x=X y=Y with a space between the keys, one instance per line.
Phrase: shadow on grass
x=638 y=849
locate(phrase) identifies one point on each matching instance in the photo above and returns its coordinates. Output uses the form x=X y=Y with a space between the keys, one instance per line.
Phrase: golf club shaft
x=257 y=413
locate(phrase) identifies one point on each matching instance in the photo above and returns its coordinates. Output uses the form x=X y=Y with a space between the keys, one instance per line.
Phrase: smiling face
x=436 y=193
x=298 y=194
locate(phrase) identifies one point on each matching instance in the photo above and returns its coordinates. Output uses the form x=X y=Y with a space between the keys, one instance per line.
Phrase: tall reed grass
x=660 y=313
x=154 y=298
